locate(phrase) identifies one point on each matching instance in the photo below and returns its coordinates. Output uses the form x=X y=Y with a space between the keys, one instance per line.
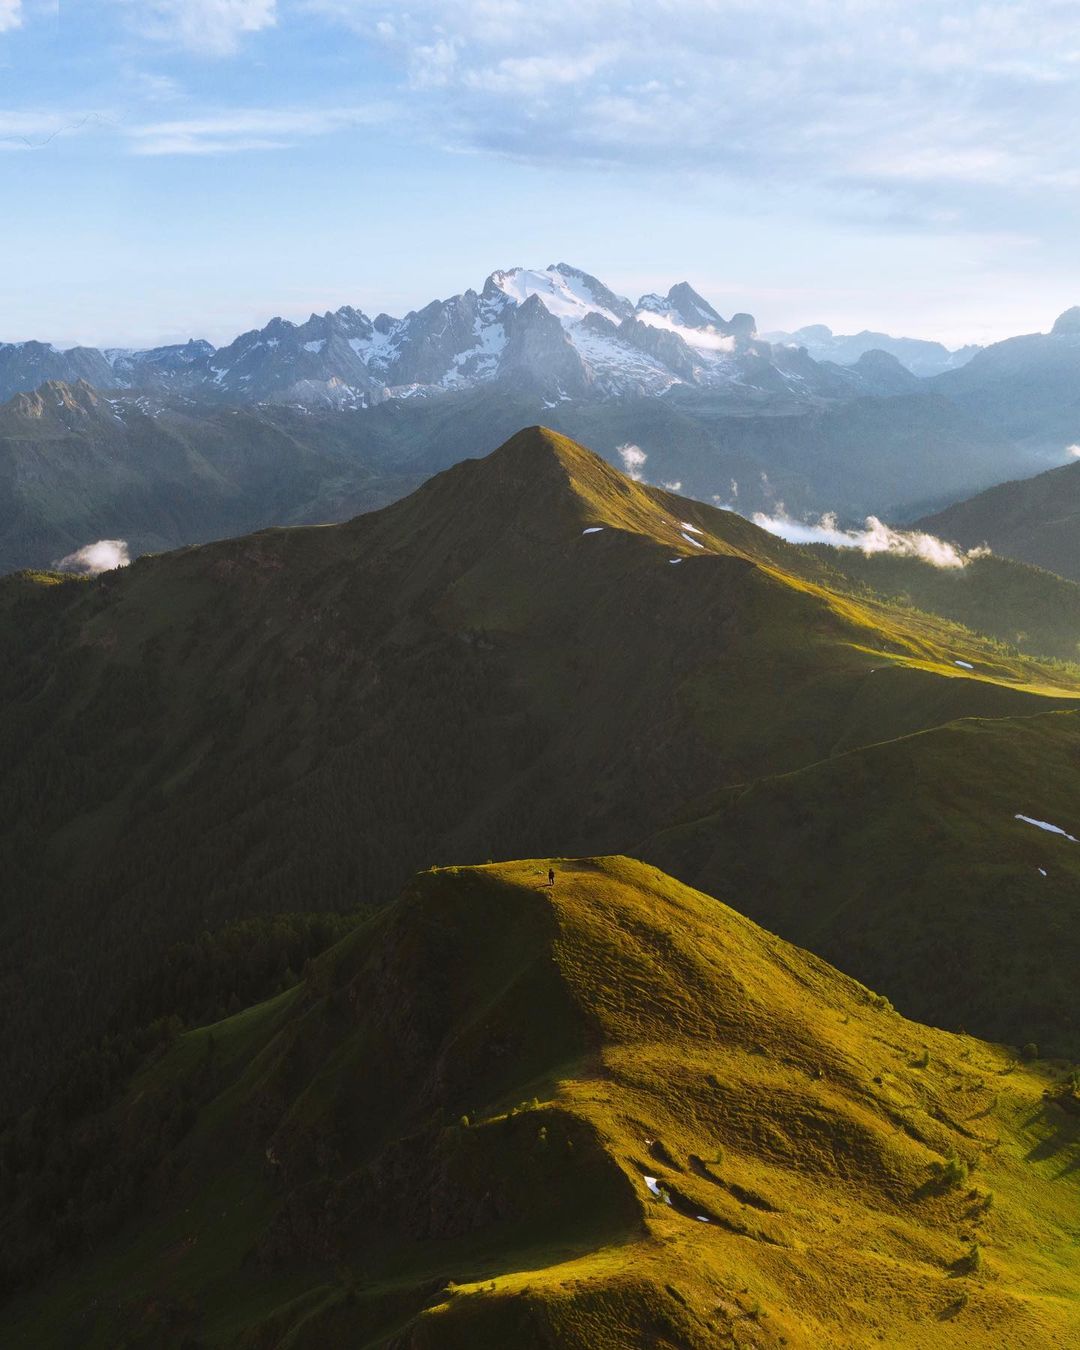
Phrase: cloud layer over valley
x=874 y=537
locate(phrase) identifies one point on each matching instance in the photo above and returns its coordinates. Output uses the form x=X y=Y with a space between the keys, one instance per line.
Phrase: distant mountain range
x=558 y=332
x=915 y=354
x=1028 y=387
x=297 y=423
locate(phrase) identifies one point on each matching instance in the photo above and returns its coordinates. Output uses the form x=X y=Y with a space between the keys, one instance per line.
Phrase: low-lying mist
x=874 y=537
x=102 y=556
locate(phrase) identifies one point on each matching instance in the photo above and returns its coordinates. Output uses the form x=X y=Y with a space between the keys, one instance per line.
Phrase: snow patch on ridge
x=1045 y=825
x=654 y=1186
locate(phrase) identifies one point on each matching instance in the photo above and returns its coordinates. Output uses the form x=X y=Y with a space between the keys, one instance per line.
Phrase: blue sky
x=191 y=167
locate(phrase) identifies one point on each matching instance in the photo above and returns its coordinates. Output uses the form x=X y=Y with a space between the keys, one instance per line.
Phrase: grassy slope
x=327 y=1194
x=904 y=863
x=298 y=719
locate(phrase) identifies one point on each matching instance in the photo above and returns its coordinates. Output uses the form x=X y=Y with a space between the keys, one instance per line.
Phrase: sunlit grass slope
x=531 y=653
x=1021 y=606
x=444 y=1138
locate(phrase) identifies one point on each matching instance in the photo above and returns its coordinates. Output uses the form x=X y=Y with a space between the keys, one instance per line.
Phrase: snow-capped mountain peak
x=564 y=291
x=556 y=331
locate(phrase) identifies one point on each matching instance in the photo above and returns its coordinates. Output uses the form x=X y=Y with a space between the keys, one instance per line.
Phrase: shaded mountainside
x=606 y=1114
x=1036 y=520
x=161 y=472
x=531 y=653
x=908 y=864
x=76 y=466
x=1028 y=387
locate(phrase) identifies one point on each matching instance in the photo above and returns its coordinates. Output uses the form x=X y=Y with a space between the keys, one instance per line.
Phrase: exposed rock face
x=539 y=351
x=26 y=365
x=161 y=367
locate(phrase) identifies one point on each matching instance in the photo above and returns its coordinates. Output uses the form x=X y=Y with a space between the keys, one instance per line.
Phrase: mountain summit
x=594 y=1115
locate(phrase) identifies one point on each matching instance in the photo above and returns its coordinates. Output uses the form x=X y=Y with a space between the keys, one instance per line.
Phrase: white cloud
x=874 y=537
x=633 y=458
x=102 y=556
x=531 y=74
x=246 y=129
x=705 y=338
x=154 y=88
x=880 y=101
x=213 y=27
x=10 y=15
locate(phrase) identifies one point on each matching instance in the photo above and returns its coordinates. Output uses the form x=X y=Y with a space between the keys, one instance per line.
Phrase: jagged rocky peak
x=55 y=396
x=684 y=307
x=556 y=331
x=691 y=308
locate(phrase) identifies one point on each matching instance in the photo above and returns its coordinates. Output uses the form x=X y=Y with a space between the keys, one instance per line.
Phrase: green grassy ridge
x=300 y=718
x=903 y=863
x=326 y=1191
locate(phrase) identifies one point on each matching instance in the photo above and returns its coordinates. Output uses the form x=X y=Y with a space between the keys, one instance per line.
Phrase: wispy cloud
x=891 y=99
x=10 y=15
x=150 y=87
x=246 y=129
x=213 y=27
x=633 y=459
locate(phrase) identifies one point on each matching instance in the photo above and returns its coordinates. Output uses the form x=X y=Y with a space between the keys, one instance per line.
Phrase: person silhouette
x=551 y=876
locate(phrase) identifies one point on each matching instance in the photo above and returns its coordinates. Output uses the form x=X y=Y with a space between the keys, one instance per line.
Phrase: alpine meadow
x=546 y=816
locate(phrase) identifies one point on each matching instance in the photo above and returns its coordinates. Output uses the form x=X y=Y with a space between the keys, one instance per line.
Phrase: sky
x=178 y=168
